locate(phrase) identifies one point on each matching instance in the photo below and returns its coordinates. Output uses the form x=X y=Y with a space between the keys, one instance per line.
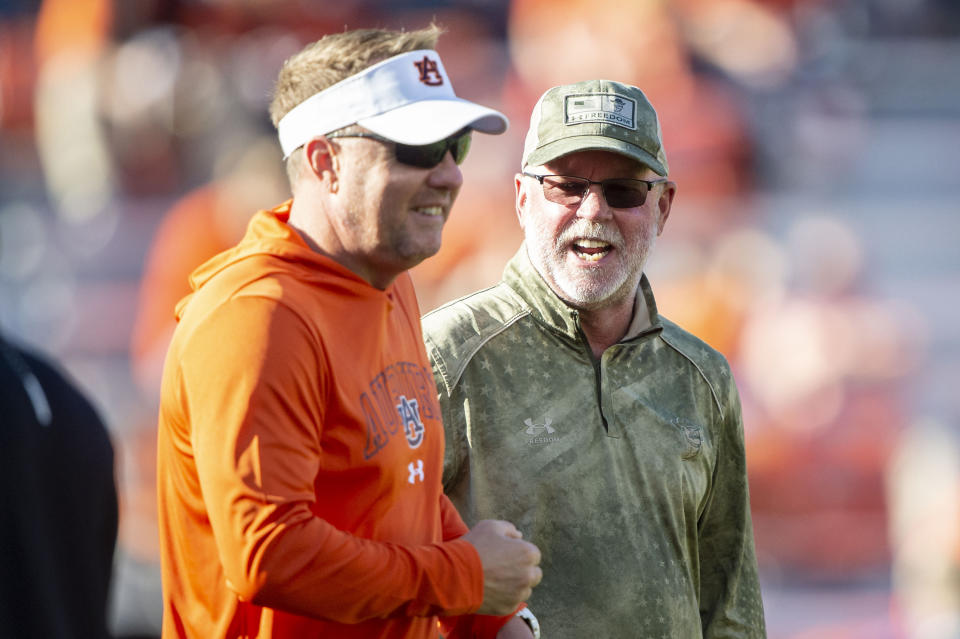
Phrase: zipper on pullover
x=597 y=371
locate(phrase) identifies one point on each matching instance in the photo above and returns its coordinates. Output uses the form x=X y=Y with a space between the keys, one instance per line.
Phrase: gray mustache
x=583 y=228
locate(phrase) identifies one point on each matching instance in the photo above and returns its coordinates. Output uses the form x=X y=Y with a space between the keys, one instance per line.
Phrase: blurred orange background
x=813 y=240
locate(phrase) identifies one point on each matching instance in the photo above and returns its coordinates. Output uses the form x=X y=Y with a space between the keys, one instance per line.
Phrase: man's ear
x=520 y=197
x=665 y=203
x=320 y=156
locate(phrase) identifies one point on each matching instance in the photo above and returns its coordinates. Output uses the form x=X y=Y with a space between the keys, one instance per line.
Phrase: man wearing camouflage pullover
x=609 y=435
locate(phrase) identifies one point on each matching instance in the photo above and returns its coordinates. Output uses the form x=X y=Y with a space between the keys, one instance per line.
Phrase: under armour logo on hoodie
x=416 y=471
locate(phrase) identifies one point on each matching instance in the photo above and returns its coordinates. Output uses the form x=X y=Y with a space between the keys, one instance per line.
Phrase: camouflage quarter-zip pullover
x=627 y=472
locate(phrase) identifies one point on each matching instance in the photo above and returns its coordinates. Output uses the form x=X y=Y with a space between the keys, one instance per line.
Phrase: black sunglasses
x=620 y=193
x=424 y=156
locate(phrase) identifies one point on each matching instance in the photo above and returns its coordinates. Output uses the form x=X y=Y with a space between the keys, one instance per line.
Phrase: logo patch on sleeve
x=610 y=108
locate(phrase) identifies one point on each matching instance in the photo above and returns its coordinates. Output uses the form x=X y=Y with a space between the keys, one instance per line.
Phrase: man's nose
x=594 y=206
x=446 y=175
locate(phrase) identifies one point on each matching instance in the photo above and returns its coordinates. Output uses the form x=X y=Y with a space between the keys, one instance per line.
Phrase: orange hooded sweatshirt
x=300 y=455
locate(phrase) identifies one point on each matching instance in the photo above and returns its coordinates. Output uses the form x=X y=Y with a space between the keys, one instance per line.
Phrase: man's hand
x=516 y=628
x=511 y=566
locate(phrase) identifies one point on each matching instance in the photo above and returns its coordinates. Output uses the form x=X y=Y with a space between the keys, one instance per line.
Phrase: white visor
x=407 y=98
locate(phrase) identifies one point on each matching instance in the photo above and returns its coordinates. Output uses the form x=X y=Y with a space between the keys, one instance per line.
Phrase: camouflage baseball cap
x=595 y=115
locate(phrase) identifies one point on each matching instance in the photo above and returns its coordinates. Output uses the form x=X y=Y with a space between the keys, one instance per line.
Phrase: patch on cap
x=609 y=108
x=594 y=115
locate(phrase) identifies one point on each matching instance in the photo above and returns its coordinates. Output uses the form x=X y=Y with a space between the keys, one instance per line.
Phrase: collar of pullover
x=524 y=280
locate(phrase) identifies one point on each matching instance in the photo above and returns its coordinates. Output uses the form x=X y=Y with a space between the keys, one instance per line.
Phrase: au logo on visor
x=429 y=72
x=600 y=107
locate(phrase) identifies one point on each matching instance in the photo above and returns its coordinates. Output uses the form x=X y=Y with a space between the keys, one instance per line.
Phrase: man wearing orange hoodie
x=300 y=447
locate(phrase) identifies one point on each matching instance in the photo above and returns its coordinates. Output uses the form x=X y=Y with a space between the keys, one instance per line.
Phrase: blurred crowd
x=134 y=144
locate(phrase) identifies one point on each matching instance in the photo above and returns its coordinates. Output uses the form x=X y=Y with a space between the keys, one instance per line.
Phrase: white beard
x=597 y=287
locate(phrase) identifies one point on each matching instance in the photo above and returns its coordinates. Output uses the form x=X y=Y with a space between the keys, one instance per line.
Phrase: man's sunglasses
x=424 y=156
x=620 y=193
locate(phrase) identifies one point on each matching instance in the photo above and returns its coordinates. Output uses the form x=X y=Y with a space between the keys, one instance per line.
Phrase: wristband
x=531 y=620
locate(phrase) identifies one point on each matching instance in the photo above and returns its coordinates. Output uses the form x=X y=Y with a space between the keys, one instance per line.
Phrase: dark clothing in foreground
x=59 y=504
